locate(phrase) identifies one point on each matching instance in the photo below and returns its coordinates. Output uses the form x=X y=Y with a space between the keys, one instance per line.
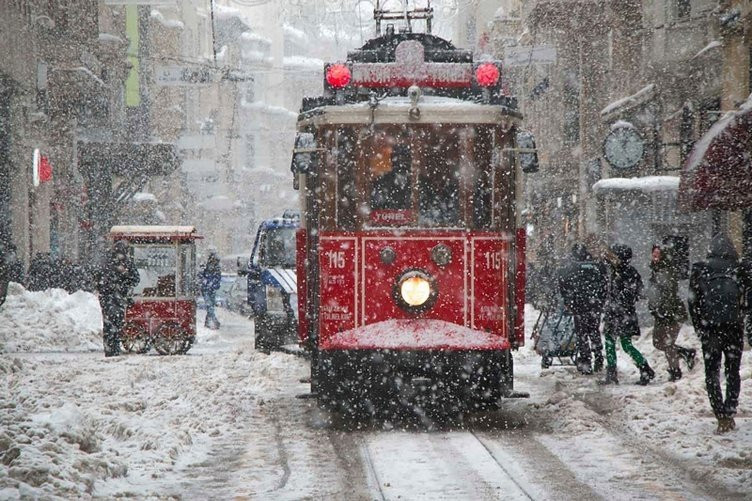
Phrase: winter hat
x=623 y=252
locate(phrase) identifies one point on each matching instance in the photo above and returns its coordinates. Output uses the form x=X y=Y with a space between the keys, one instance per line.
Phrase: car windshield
x=278 y=248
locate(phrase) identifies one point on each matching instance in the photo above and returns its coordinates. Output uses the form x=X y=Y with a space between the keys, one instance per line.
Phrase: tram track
x=501 y=466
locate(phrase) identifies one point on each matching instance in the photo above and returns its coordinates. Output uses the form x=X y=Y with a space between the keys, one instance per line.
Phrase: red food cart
x=163 y=312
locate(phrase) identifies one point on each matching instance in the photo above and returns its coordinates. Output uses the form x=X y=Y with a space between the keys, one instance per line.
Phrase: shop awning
x=128 y=159
x=718 y=172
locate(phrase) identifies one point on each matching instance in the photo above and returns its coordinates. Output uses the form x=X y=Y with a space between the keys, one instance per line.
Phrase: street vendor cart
x=163 y=311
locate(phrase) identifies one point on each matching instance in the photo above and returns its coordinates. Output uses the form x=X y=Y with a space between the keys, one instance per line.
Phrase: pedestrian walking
x=210 y=279
x=115 y=284
x=582 y=285
x=668 y=310
x=620 y=318
x=41 y=271
x=717 y=286
x=12 y=266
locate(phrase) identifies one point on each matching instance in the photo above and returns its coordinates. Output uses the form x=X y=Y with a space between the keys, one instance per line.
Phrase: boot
x=674 y=375
x=689 y=355
x=725 y=425
x=646 y=374
x=610 y=376
x=598 y=364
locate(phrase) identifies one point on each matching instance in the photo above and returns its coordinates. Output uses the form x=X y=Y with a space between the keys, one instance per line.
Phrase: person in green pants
x=620 y=318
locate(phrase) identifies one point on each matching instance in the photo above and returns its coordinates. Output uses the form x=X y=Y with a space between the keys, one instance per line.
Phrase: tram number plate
x=338 y=286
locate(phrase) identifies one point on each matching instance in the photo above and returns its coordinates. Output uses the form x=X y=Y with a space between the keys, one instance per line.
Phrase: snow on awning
x=627 y=103
x=718 y=172
x=157 y=232
x=647 y=184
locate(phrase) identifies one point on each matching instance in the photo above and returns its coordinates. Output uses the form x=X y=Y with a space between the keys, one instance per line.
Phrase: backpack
x=721 y=298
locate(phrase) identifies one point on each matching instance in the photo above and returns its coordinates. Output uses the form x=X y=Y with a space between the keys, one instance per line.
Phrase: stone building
x=583 y=68
x=60 y=82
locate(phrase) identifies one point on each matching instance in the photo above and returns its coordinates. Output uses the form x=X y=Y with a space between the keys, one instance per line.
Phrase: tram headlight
x=415 y=291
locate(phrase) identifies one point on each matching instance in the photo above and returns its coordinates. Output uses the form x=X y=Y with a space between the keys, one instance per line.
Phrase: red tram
x=410 y=254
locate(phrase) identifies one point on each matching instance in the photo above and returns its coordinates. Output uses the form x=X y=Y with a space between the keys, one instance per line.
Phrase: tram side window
x=391 y=186
x=439 y=189
x=483 y=189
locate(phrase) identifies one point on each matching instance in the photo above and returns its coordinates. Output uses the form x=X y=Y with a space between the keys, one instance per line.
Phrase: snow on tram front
x=410 y=253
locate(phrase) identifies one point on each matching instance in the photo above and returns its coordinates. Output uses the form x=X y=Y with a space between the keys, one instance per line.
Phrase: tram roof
x=396 y=110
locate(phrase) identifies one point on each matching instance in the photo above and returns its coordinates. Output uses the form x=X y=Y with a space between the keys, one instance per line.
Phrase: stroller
x=554 y=336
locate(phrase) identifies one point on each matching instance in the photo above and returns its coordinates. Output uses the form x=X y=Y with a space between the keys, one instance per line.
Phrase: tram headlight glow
x=415 y=290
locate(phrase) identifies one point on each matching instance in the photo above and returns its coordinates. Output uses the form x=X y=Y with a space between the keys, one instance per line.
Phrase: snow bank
x=50 y=320
x=671 y=421
x=77 y=426
x=645 y=184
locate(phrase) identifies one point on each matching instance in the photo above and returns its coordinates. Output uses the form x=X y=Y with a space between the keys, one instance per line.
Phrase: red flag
x=45 y=169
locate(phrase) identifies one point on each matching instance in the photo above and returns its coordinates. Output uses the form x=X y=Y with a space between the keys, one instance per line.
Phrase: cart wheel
x=187 y=343
x=170 y=339
x=135 y=339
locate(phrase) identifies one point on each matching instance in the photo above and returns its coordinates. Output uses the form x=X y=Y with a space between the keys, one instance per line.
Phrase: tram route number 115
x=336 y=259
x=493 y=260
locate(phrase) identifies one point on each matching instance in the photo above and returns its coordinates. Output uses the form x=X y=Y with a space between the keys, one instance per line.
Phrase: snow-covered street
x=224 y=422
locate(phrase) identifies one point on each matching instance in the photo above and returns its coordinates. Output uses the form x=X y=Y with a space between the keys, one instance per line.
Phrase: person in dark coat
x=41 y=272
x=716 y=289
x=211 y=278
x=620 y=317
x=668 y=310
x=582 y=285
x=13 y=268
x=119 y=276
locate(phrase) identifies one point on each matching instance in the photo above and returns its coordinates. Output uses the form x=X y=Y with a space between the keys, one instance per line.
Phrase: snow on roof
x=247 y=36
x=167 y=23
x=619 y=124
x=255 y=56
x=644 y=184
x=292 y=32
x=712 y=45
x=143 y=196
x=226 y=12
x=220 y=203
x=310 y=63
x=152 y=230
x=268 y=108
x=643 y=95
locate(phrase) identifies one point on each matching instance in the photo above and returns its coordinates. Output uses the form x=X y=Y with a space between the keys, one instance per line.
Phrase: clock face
x=623 y=147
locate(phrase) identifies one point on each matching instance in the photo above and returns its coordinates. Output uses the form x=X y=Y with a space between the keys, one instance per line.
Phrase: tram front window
x=391 y=186
x=438 y=189
x=278 y=248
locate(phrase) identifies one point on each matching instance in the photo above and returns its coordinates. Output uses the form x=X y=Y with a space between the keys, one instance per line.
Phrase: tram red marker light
x=338 y=75
x=487 y=74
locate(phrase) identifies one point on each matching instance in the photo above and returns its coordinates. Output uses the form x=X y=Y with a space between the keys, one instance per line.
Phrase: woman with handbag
x=668 y=310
